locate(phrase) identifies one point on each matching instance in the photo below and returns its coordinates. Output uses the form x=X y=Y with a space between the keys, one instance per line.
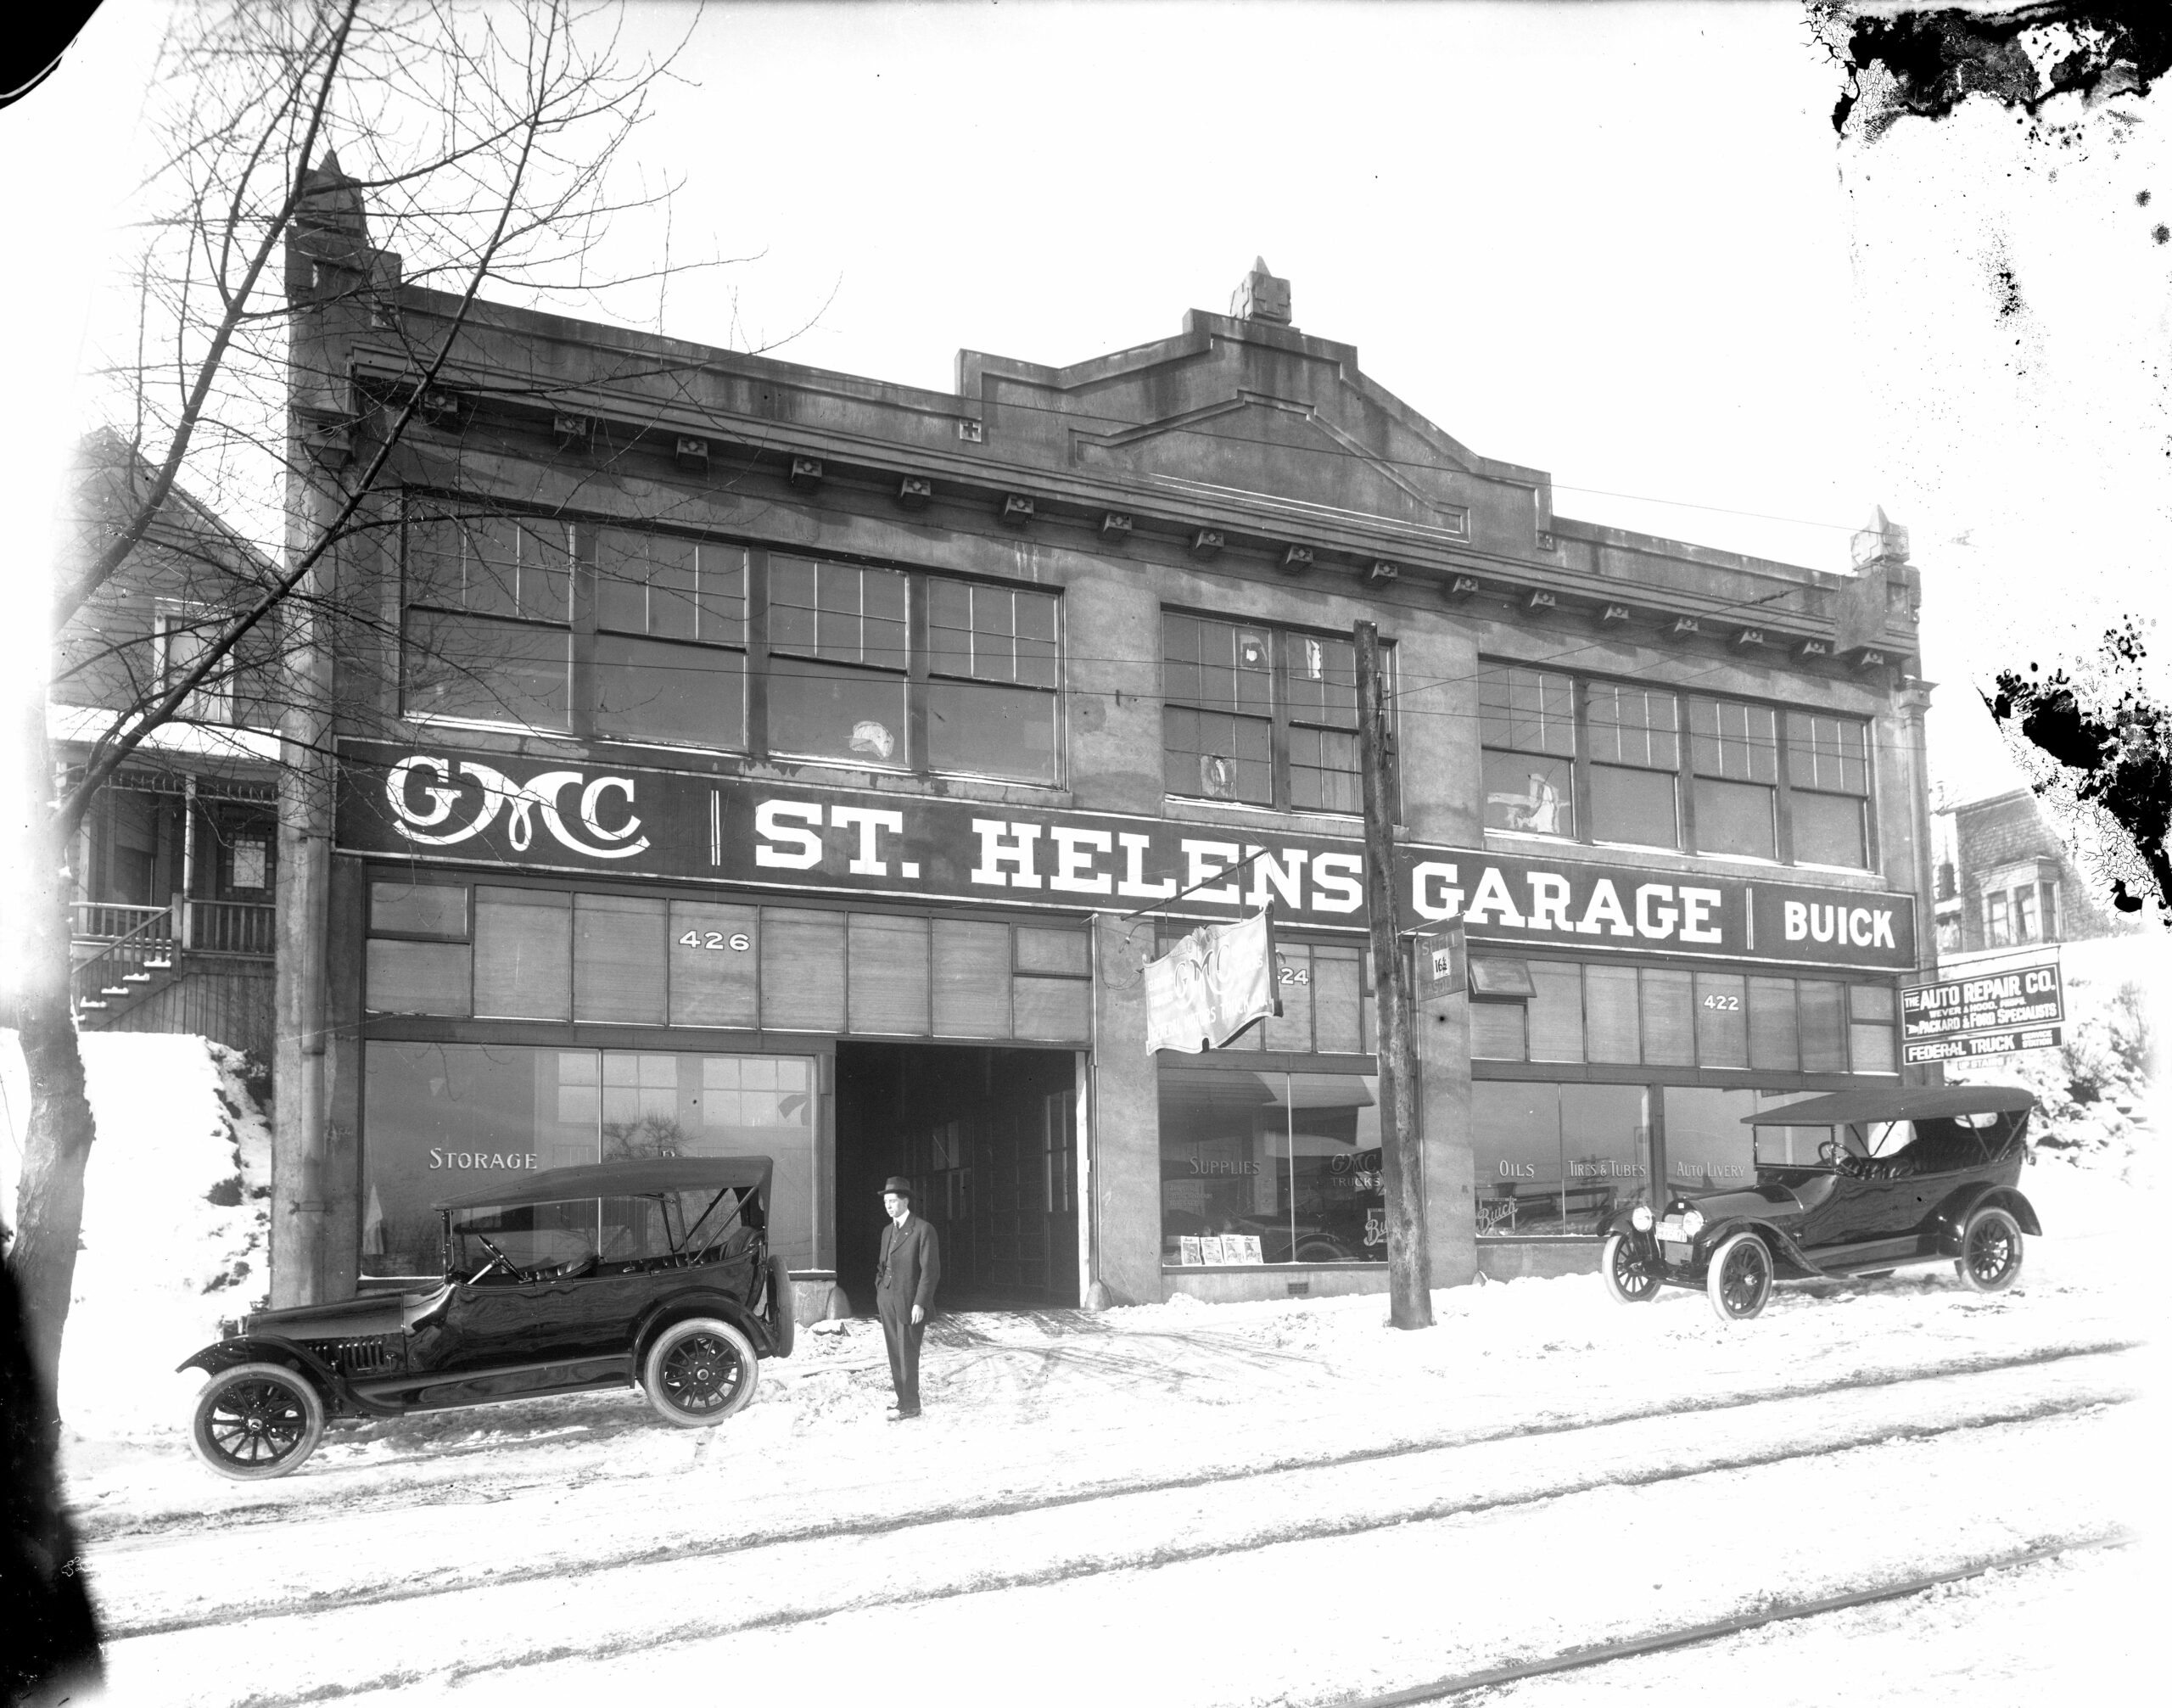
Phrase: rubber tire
x=784 y=1323
x=1610 y=1254
x=312 y=1410
x=1716 y=1273
x=1990 y=1216
x=655 y=1377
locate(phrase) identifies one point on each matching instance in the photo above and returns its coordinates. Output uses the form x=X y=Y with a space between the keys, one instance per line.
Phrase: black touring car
x=1857 y=1183
x=655 y=1273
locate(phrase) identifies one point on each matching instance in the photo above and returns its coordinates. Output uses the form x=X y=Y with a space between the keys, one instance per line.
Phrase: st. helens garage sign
x=545 y=816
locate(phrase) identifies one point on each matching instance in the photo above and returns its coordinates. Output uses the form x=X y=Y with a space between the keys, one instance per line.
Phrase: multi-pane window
x=991 y=682
x=1527 y=736
x=623 y=634
x=1635 y=752
x=1319 y=684
x=670 y=640
x=489 y=619
x=1259 y=715
x=1828 y=781
x=1734 y=764
x=837 y=661
x=1674 y=1017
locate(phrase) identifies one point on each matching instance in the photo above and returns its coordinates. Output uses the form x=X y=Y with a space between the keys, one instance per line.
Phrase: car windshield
x=570 y=1231
x=1937 y=1146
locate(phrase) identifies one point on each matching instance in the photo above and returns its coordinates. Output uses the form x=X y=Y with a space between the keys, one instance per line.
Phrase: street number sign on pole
x=1991 y=1013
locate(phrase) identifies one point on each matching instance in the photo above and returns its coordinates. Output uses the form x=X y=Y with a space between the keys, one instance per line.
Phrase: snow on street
x=1276 y=1502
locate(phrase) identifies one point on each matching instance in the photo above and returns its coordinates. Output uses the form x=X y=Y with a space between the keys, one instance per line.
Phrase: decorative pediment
x=1278 y=452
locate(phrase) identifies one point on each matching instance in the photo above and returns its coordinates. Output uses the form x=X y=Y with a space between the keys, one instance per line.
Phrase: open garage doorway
x=989 y=1140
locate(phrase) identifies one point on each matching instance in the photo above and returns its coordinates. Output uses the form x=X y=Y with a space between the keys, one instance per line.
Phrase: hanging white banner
x=1212 y=986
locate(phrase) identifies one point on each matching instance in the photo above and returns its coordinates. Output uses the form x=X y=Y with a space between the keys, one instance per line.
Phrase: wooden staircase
x=124 y=972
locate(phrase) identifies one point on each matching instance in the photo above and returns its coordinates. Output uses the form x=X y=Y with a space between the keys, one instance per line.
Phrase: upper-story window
x=1828 y=779
x=1527 y=742
x=623 y=634
x=670 y=640
x=992 y=680
x=1261 y=714
x=1734 y=762
x=1614 y=762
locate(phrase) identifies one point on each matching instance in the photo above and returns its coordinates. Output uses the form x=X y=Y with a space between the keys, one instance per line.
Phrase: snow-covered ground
x=173 y=1215
x=1286 y=1502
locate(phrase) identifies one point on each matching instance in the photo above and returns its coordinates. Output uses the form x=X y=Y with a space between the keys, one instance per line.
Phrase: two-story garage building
x=736 y=756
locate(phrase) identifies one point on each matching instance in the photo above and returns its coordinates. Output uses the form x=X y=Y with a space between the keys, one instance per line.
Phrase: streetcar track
x=1448 y=1689
x=337 y=1503
x=1873 y=1432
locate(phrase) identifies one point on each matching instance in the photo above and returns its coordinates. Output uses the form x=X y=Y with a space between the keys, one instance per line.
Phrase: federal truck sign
x=775 y=833
x=1991 y=1013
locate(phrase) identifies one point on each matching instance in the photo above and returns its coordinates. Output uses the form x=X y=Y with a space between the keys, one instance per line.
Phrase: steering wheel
x=496 y=1258
x=1828 y=1150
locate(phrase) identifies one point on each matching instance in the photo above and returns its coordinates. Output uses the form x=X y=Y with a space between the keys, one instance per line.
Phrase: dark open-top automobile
x=1855 y=1184
x=654 y=1272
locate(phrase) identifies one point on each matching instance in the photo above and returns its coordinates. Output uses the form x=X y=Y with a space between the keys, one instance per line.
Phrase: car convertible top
x=1912 y=1103
x=636 y=1179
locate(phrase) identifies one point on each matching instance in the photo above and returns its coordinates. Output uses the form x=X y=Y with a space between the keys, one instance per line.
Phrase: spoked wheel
x=257 y=1421
x=1740 y=1278
x=1631 y=1275
x=1990 y=1252
x=699 y=1372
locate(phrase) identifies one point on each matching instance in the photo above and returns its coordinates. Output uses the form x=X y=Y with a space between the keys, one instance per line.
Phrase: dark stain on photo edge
x=1935 y=58
x=2125 y=752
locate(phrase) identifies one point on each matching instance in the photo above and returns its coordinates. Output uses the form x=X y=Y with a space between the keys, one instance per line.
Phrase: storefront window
x=442 y=1119
x=1708 y=1149
x=1270 y=1168
x=1554 y=1159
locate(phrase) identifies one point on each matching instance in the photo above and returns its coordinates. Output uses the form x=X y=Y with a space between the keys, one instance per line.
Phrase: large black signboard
x=539 y=815
x=1990 y=1013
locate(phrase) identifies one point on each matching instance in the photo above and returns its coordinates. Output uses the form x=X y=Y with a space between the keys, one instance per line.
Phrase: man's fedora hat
x=899 y=1184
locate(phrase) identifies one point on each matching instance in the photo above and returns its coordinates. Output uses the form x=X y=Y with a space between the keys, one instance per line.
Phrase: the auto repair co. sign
x=1991 y=1013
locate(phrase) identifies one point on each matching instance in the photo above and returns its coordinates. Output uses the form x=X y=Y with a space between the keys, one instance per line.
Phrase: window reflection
x=1270 y=1168
x=1556 y=1159
x=442 y=1119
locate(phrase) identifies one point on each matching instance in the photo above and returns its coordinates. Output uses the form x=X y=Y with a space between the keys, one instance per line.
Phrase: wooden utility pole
x=1410 y=1267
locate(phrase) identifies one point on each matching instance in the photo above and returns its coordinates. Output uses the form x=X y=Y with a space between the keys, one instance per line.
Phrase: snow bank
x=2098 y=1092
x=175 y=1209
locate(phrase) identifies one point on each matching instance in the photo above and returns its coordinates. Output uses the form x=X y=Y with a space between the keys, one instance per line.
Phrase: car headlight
x=1641 y=1218
x=1693 y=1222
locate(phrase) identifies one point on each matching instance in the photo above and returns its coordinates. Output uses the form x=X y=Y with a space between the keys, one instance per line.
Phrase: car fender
x=265 y=1349
x=1952 y=1216
x=704 y=1303
x=1790 y=1260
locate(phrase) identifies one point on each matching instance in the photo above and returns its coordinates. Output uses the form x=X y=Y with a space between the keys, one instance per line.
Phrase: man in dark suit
x=906 y=1275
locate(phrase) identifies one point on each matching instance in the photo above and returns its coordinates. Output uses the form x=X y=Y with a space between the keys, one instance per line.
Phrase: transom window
x=1261 y=714
x=1608 y=762
x=631 y=634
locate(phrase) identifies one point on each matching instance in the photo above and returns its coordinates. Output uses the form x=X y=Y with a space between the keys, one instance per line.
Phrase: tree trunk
x=49 y=1196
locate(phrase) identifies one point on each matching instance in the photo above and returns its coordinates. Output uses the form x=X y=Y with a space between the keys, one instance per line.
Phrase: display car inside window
x=1261 y=714
x=1602 y=761
x=442 y=1118
x=1270 y=1168
x=631 y=634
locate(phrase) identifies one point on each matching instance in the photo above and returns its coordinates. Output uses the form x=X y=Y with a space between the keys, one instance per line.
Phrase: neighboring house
x=750 y=758
x=175 y=866
x=2004 y=877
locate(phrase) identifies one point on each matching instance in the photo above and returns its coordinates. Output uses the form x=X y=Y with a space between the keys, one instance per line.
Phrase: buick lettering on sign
x=753 y=834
